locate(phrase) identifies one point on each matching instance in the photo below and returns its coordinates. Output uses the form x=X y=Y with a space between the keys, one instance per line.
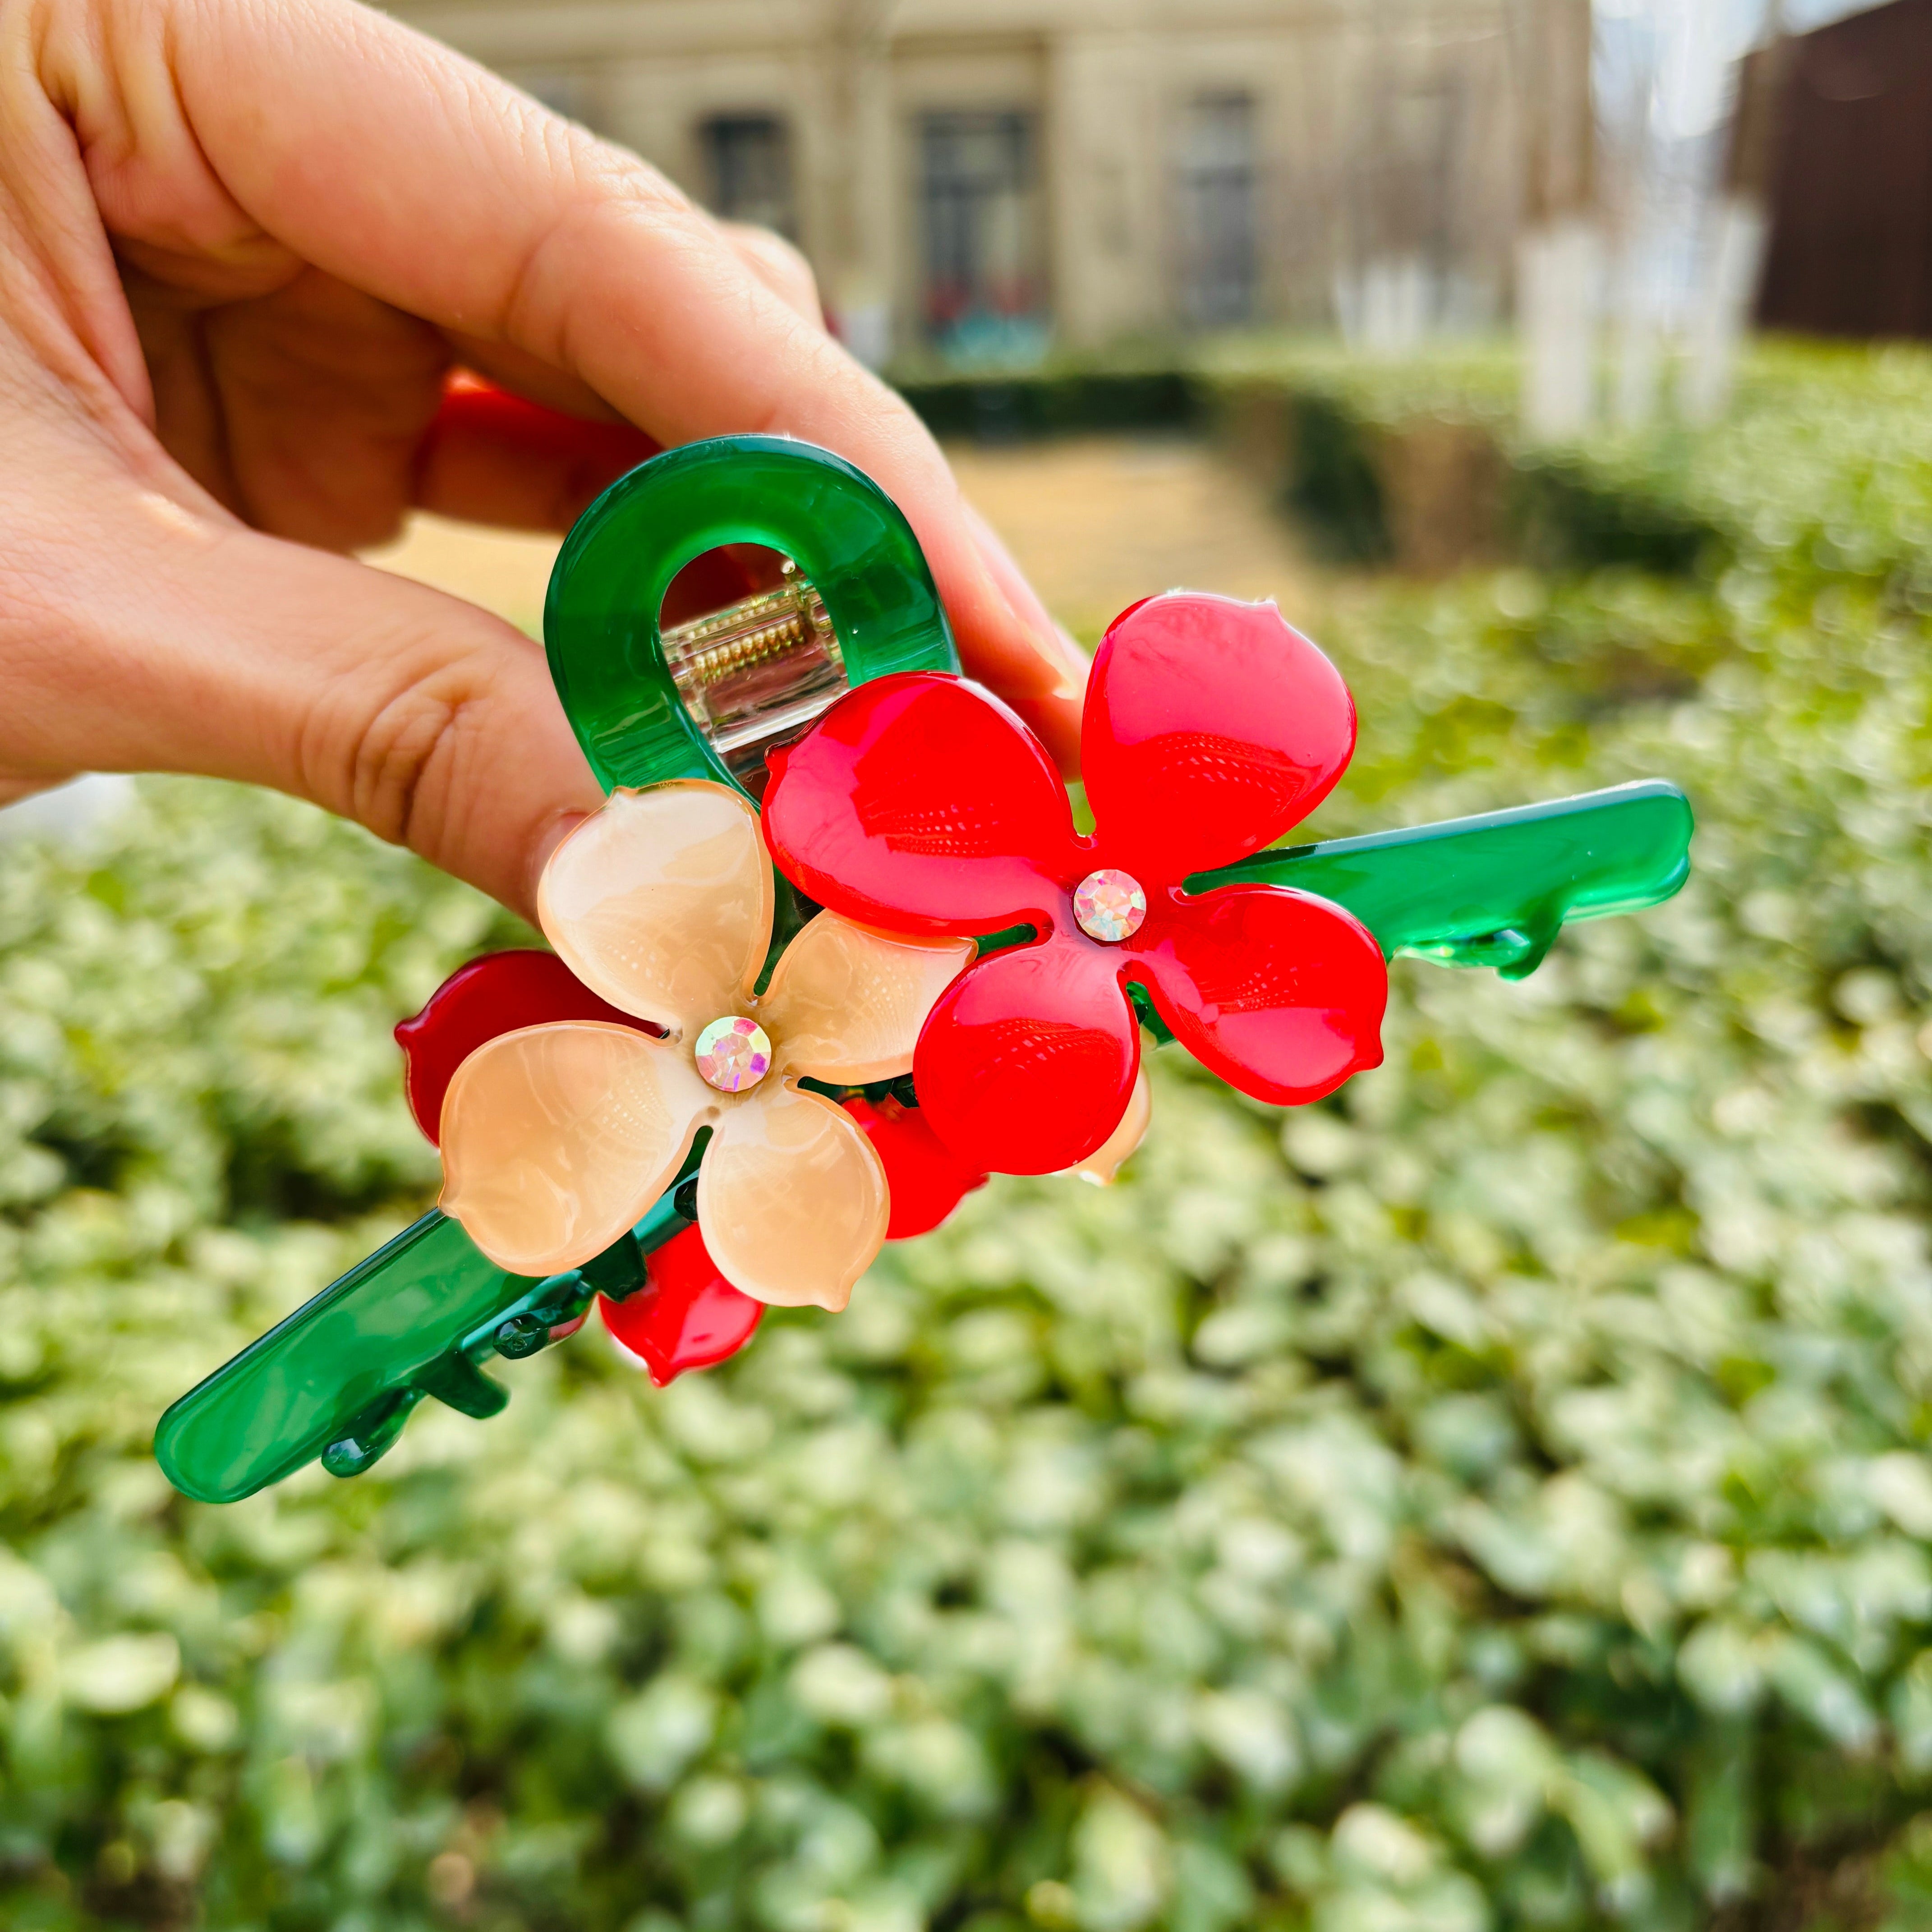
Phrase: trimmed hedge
x=1825 y=460
x=1001 y=409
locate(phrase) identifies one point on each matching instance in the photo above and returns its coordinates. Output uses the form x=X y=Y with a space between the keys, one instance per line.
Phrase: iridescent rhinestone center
x=1109 y=905
x=733 y=1054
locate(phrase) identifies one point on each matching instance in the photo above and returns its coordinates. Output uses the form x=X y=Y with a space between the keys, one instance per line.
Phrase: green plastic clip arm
x=339 y=1378
x=600 y=623
x=1495 y=889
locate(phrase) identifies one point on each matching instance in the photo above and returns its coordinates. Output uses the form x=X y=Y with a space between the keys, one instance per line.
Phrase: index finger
x=398 y=166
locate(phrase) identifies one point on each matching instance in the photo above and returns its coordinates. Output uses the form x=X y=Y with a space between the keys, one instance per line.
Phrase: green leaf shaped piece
x=1496 y=889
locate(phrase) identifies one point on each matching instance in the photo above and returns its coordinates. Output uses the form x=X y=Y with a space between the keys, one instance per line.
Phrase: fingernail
x=555 y=829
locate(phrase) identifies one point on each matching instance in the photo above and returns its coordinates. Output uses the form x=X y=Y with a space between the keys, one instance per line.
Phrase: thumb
x=219 y=650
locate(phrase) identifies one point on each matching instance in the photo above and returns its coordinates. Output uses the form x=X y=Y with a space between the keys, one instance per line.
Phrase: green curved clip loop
x=601 y=626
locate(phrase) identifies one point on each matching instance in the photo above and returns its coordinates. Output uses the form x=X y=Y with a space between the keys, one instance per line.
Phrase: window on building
x=984 y=292
x=1219 y=269
x=747 y=167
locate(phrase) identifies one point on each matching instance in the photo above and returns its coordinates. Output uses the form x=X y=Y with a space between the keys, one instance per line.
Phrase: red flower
x=918 y=804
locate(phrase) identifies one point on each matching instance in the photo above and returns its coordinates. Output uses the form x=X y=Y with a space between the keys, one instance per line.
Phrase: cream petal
x=845 y=1004
x=1105 y=1162
x=792 y=1199
x=662 y=901
x=556 y=1138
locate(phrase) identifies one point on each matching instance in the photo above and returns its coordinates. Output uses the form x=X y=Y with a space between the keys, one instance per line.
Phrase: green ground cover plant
x=1499 y=1497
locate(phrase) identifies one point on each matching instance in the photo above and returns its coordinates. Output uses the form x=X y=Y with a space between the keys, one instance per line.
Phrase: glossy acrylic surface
x=846 y=1003
x=496 y=995
x=920 y=805
x=1275 y=990
x=601 y=622
x=927 y=1180
x=1495 y=889
x=1211 y=728
x=555 y=1138
x=662 y=902
x=308 y=1384
x=283 y=1401
x=1475 y=892
x=792 y=1199
x=1177 y=781
x=1029 y=1058
x=686 y=1315
x=414 y=1319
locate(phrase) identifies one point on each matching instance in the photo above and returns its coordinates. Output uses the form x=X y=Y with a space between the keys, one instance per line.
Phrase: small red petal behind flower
x=481 y=430
x=498 y=993
x=1279 y=992
x=686 y=1315
x=927 y=1180
x=919 y=804
x=1211 y=728
x=1027 y=1059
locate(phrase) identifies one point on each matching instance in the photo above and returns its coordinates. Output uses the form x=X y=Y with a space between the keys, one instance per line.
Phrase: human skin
x=247 y=249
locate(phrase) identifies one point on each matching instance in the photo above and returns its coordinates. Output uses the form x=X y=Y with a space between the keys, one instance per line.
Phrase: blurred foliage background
x=1497 y=1498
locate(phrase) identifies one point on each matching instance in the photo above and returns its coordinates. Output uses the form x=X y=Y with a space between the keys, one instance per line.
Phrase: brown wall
x=1850 y=249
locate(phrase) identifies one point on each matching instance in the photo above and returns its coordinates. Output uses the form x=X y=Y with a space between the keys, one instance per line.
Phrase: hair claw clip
x=699 y=1104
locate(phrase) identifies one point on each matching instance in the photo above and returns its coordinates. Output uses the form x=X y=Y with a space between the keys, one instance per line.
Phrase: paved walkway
x=1097 y=522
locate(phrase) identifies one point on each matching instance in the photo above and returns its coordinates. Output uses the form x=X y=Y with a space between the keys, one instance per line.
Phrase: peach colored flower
x=557 y=1137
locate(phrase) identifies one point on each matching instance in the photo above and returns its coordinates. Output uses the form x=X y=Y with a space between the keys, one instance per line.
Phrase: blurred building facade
x=979 y=176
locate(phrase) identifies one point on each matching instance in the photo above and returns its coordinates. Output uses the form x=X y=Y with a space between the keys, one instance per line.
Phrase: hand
x=245 y=249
